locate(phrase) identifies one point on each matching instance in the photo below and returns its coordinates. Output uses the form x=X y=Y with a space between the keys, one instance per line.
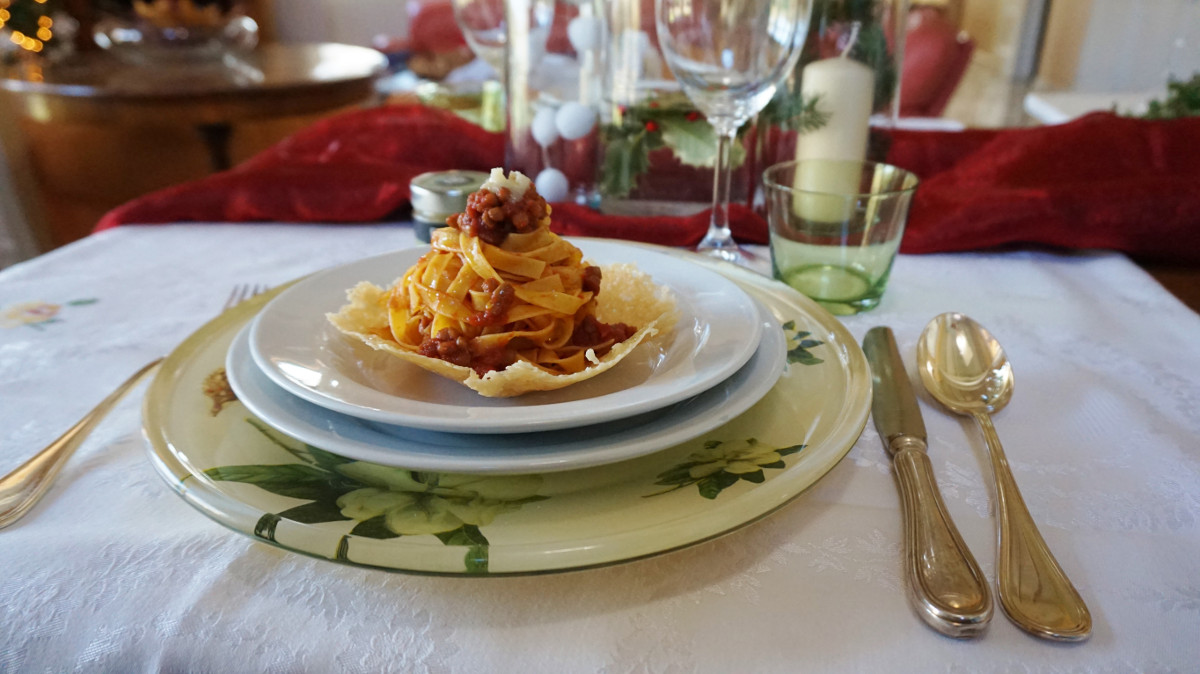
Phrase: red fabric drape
x=1101 y=181
x=353 y=167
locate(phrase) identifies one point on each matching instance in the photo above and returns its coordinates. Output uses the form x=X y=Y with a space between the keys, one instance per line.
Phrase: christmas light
x=29 y=24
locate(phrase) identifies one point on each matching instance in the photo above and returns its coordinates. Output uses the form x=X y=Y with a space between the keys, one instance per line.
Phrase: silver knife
x=945 y=583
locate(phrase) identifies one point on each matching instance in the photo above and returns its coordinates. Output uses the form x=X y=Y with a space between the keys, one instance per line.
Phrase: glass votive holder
x=835 y=228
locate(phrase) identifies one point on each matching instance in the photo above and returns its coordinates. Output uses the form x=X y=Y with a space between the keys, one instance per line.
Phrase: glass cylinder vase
x=657 y=152
x=552 y=92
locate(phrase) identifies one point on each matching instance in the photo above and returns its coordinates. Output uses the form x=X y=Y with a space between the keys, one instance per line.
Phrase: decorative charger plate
x=291 y=340
x=508 y=453
x=246 y=475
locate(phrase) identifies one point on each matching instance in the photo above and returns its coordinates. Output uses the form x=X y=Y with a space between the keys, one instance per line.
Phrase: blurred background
x=968 y=63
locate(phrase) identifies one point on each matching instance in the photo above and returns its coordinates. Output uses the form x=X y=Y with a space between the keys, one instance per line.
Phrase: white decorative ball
x=552 y=185
x=575 y=120
x=544 y=128
x=584 y=33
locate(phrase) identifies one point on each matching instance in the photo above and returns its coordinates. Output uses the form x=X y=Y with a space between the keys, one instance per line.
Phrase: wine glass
x=484 y=26
x=730 y=56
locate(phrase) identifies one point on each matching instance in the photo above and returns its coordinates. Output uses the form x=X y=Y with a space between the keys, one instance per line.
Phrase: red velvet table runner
x=1101 y=181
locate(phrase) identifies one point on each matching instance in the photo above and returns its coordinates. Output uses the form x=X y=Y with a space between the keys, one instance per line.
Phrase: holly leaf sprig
x=666 y=122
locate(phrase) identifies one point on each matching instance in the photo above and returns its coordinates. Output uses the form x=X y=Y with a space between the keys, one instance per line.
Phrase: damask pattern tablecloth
x=114 y=572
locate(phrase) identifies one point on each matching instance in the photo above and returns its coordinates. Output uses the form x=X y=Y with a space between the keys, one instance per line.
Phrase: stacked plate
x=327 y=448
x=296 y=372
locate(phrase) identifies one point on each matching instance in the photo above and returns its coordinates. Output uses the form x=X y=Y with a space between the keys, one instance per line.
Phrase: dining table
x=152 y=552
x=275 y=80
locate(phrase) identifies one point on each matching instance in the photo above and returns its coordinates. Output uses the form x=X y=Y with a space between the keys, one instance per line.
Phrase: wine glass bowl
x=484 y=26
x=729 y=56
x=725 y=83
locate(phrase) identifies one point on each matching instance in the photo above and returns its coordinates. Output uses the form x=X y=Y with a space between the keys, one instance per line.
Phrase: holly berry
x=652 y=126
x=692 y=116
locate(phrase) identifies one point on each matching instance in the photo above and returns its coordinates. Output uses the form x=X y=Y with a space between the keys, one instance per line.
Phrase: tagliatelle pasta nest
x=505 y=306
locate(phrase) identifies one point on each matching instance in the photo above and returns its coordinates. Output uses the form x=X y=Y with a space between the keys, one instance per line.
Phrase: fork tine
x=244 y=291
x=235 y=297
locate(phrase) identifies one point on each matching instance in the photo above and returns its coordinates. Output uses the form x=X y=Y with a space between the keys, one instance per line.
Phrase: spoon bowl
x=964 y=367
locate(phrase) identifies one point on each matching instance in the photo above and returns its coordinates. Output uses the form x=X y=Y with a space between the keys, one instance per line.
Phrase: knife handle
x=945 y=581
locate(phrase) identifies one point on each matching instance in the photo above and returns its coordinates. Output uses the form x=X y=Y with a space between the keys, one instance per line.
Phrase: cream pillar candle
x=844 y=90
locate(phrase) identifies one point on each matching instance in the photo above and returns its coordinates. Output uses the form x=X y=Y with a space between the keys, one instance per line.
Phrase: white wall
x=1134 y=45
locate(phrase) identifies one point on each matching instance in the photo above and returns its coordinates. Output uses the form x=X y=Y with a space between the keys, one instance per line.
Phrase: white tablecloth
x=113 y=572
x=1056 y=107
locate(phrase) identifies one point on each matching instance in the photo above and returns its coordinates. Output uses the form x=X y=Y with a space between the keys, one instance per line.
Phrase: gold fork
x=25 y=486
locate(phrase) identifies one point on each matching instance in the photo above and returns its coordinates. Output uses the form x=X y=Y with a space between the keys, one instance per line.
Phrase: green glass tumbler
x=836 y=226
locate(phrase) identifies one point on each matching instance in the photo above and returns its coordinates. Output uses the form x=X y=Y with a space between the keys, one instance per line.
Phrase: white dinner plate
x=296 y=346
x=511 y=453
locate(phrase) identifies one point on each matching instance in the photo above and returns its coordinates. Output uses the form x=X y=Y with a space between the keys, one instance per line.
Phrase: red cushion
x=432 y=28
x=935 y=58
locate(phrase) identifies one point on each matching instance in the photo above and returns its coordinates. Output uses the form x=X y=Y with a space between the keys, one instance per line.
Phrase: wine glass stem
x=719 y=235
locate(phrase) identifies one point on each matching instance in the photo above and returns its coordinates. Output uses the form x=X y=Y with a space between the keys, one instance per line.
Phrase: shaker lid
x=444 y=192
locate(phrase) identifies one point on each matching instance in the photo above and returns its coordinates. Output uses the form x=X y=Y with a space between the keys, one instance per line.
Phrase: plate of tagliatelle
x=713 y=330
x=502 y=326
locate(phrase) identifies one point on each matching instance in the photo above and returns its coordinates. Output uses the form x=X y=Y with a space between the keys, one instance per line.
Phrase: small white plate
x=294 y=344
x=546 y=451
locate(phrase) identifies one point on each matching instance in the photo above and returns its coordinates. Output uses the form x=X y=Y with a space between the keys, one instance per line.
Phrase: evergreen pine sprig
x=1183 y=100
x=795 y=112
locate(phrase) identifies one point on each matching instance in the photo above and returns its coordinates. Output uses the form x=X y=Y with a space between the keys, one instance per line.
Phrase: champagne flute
x=730 y=56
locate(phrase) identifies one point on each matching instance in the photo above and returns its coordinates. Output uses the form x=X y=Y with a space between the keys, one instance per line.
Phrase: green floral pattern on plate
x=799 y=343
x=720 y=465
x=384 y=502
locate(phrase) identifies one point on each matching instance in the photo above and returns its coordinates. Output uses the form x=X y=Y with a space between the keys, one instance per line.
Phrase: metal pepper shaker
x=437 y=195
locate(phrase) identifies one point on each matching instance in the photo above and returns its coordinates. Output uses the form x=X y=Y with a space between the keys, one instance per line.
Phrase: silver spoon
x=966 y=370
